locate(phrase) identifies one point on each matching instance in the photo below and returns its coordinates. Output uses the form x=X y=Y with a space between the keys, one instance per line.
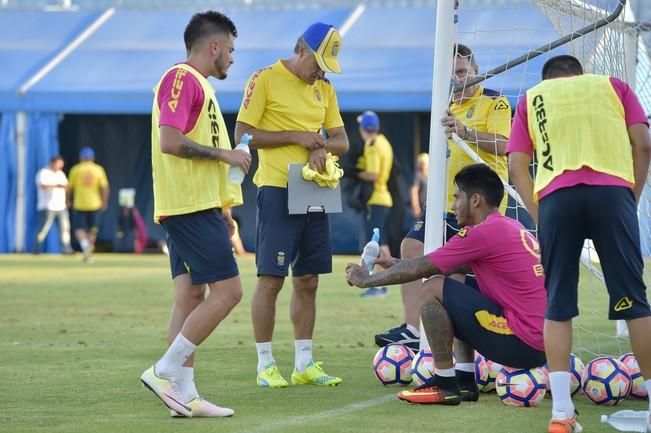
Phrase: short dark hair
x=56 y=158
x=481 y=179
x=561 y=66
x=465 y=52
x=207 y=23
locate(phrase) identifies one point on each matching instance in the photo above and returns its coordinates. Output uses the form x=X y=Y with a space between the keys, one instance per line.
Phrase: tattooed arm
x=173 y=142
x=401 y=272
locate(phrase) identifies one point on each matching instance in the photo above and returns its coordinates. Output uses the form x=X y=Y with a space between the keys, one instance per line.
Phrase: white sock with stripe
x=265 y=357
x=302 y=354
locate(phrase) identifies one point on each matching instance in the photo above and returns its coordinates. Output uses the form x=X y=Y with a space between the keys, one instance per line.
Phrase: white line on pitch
x=323 y=415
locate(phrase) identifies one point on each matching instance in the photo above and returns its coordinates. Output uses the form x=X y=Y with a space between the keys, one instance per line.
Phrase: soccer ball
x=638 y=388
x=606 y=381
x=577 y=367
x=521 y=387
x=392 y=364
x=576 y=372
x=422 y=367
x=481 y=370
x=492 y=368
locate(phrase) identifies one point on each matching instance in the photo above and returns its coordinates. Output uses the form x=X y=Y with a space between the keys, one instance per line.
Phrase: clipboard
x=305 y=196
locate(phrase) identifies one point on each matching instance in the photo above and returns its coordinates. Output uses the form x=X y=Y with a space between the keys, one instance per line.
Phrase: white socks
x=84 y=246
x=559 y=382
x=178 y=352
x=444 y=372
x=265 y=357
x=185 y=382
x=302 y=354
x=468 y=367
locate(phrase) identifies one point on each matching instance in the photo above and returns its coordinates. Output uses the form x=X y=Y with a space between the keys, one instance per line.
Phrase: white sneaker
x=164 y=389
x=201 y=408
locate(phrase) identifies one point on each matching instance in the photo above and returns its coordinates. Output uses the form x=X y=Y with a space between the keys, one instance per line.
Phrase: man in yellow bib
x=191 y=154
x=591 y=139
x=482 y=118
x=285 y=107
x=89 y=190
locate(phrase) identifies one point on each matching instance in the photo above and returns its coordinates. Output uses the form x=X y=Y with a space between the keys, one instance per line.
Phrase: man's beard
x=221 y=72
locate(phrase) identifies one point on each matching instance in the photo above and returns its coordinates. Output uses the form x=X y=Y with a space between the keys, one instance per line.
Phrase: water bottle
x=628 y=420
x=235 y=174
x=372 y=250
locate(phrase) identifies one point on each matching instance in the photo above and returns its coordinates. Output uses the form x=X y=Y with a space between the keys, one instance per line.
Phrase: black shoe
x=467 y=385
x=398 y=335
x=468 y=394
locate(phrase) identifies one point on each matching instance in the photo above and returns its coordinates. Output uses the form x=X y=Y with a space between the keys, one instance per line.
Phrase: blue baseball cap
x=86 y=153
x=325 y=41
x=369 y=120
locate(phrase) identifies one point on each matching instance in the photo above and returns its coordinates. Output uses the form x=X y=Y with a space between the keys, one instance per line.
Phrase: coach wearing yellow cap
x=286 y=107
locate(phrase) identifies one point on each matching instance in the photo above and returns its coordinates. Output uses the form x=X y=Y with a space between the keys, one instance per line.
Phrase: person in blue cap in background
x=375 y=166
x=88 y=195
x=285 y=107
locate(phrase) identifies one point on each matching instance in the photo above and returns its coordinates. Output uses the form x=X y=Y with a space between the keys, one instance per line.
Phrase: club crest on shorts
x=280 y=258
x=418 y=226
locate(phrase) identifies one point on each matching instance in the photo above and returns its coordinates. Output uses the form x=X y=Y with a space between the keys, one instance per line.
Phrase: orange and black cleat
x=561 y=423
x=433 y=393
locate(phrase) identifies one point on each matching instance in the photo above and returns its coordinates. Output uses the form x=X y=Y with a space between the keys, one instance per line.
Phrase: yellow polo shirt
x=87 y=180
x=378 y=159
x=277 y=100
x=486 y=111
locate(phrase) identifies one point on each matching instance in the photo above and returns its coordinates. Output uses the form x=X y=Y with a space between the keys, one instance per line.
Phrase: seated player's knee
x=410 y=248
x=432 y=290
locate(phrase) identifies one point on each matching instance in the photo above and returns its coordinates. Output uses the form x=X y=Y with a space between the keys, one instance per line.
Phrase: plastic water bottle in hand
x=235 y=174
x=628 y=420
x=372 y=250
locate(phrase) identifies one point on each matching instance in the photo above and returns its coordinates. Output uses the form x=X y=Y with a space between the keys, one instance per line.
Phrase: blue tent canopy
x=387 y=56
x=28 y=39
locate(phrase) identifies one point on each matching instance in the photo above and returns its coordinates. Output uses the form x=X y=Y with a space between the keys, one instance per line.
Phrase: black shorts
x=302 y=241
x=462 y=303
x=608 y=216
x=417 y=231
x=199 y=243
x=85 y=220
x=376 y=216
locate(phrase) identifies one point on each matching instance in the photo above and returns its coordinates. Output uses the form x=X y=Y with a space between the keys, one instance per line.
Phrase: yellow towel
x=330 y=177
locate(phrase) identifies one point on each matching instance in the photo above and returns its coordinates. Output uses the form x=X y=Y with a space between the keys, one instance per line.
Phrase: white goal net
x=612 y=44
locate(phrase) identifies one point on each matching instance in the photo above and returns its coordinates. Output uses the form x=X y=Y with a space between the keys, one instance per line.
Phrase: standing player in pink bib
x=591 y=139
x=503 y=320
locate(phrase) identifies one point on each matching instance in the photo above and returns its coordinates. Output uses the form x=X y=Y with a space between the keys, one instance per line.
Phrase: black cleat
x=399 y=335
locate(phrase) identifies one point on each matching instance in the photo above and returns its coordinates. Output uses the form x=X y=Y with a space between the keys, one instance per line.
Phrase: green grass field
x=74 y=339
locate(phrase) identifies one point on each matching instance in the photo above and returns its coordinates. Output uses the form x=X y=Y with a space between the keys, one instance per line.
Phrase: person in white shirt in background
x=51 y=183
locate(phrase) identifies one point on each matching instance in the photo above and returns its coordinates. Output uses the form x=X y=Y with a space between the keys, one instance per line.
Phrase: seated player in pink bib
x=502 y=318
